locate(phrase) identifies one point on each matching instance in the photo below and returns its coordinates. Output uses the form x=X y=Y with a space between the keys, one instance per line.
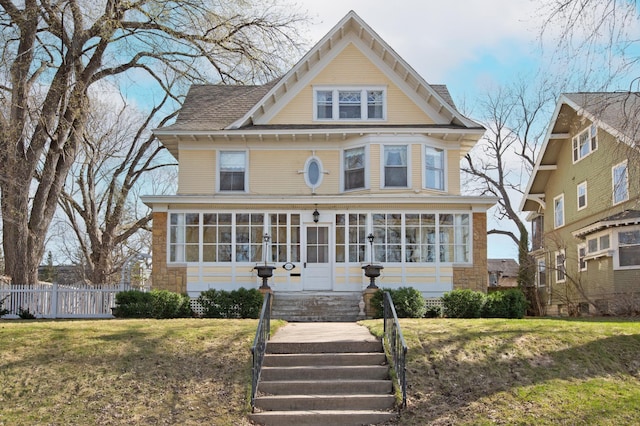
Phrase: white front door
x=318 y=267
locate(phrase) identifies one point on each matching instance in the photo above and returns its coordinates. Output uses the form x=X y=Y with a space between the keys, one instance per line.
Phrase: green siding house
x=583 y=202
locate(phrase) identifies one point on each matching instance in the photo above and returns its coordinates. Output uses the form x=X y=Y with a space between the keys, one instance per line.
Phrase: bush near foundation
x=463 y=303
x=158 y=304
x=408 y=302
x=241 y=303
x=474 y=304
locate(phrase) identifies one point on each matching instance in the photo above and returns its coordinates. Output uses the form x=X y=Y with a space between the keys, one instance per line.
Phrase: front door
x=318 y=267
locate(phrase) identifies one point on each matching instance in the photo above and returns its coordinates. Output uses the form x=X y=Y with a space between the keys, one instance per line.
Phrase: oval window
x=313 y=172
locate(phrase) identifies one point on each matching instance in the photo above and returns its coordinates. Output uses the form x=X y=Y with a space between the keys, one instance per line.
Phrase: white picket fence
x=58 y=300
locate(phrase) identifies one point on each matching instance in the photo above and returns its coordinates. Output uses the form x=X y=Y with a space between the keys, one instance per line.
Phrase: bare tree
x=53 y=51
x=117 y=152
x=503 y=160
x=595 y=40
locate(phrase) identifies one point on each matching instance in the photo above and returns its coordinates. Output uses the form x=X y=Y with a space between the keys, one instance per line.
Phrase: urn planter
x=372 y=271
x=264 y=272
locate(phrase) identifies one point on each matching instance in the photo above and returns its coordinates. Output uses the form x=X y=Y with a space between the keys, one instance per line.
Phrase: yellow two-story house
x=300 y=172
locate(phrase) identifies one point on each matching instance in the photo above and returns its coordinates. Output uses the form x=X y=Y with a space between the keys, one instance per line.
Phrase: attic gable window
x=585 y=143
x=349 y=103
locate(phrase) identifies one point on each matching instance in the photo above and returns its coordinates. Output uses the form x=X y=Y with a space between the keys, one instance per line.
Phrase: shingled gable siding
x=352 y=67
x=172 y=278
x=475 y=276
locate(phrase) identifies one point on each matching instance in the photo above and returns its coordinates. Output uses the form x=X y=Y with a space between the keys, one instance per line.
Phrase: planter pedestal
x=372 y=271
x=264 y=272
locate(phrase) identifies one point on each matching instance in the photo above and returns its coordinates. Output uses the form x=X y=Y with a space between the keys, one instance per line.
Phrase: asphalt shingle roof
x=620 y=110
x=216 y=106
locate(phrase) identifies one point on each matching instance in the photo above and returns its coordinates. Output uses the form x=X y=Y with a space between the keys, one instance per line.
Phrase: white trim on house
x=352 y=29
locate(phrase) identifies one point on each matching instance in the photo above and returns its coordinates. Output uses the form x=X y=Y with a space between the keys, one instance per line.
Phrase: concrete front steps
x=324 y=383
x=316 y=306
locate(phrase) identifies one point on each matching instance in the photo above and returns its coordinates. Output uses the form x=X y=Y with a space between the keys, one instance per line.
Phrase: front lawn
x=197 y=372
x=521 y=372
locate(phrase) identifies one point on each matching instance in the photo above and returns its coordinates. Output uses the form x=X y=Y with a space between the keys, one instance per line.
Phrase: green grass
x=196 y=371
x=134 y=372
x=521 y=372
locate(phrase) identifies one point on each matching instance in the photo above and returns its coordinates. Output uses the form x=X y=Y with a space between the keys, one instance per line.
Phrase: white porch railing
x=58 y=300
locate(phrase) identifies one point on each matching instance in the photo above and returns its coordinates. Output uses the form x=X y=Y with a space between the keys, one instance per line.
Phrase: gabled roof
x=506 y=267
x=618 y=113
x=216 y=106
x=353 y=28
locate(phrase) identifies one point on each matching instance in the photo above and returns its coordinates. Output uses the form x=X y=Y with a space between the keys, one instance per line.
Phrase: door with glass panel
x=317 y=274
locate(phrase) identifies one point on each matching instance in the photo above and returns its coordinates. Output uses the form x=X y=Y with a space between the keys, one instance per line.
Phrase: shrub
x=433 y=312
x=408 y=302
x=155 y=304
x=241 y=303
x=133 y=304
x=505 y=304
x=24 y=313
x=463 y=303
x=166 y=304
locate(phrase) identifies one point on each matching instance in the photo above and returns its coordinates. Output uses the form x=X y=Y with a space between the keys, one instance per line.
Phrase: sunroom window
x=629 y=248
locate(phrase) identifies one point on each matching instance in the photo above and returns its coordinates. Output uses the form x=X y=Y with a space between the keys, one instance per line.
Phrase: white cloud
x=436 y=37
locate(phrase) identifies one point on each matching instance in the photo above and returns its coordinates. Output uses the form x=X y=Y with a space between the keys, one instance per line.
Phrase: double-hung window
x=233 y=167
x=354 y=168
x=434 y=168
x=629 y=248
x=395 y=166
x=582 y=253
x=620 y=183
x=561 y=266
x=585 y=143
x=582 y=195
x=558 y=211
x=349 y=103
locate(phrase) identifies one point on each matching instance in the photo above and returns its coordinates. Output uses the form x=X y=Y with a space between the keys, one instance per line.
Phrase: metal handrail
x=260 y=345
x=395 y=344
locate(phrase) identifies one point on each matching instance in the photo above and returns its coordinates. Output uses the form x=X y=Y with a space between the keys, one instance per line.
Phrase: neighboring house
x=502 y=272
x=350 y=142
x=583 y=199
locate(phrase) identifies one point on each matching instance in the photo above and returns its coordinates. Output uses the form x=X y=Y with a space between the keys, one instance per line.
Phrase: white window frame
x=321 y=173
x=595 y=241
x=561 y=270
x=245 y=171
x=343 y=169
x=583 y=186
x=586 y=138
x=614 y=183
x=443 y=170
x=582 y=257
x=383 y=179
x=541 y=266
x=560 y=198
x=364 y=110
x=616 y=235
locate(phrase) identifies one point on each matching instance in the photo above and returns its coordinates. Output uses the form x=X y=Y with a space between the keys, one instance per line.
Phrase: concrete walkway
x=301 y=332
